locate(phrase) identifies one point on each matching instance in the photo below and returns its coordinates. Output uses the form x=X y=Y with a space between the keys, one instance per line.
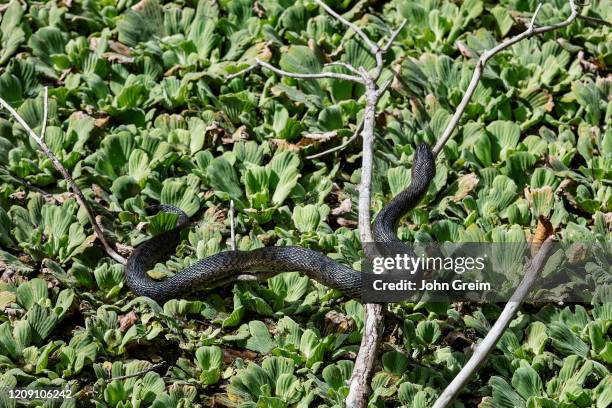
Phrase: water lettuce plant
x=141 y=112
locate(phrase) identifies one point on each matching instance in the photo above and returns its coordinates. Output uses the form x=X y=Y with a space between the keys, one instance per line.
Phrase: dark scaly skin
x=224 y=266
x=423 y=171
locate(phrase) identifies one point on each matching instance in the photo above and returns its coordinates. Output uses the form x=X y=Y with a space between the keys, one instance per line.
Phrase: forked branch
x=486 y=56
x=534 y=267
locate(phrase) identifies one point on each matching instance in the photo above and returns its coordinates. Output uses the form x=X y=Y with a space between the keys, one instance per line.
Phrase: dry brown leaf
x=343 y=222
x=343 y=208
x=321 y=137
x=124 y=250
x=214 y=132
x=336 y=322
x=6 y=298
x=457 y=340
x=576 y=254
x=19 y=196
x=285 y=145
x=241 y=133
x=230 y=355
x=463 y=49
x=65 y=196
x=114 y=57
x=127 y=320
x=140 y=5
x=543 y=230
x=466 y=184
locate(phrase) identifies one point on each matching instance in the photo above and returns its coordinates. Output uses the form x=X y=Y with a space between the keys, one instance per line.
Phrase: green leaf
x=527 y=382
x=330 y=118
x=12 y=35
x=506 y=136
x=223 y=178
x=210 y=360
x=503 y=395
x=138 y=166
x=136 y=27
x=202 y=29
x=307 y=218
x=260 y=341
x=603 y=392
x=162 y=221
x=428 y=332
x=179 y=194
x=395 y=362
x=301 y=59
x=285 y=175
x=564 y=340
x=536 y=337
x=398 y=178
x=503 y=19
x=336 y=375
x=311 y=347
x=31 y=293
x=42 y=320
x=125 y=187
x=46 y=42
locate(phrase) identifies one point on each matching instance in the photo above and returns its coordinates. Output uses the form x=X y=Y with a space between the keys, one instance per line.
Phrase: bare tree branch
x=364 y=363
x=345 y=65
x=340 y=147
x=532 y=271
x=595 y=20
x=242 y=72
x=394 y=35
x=232 y=227
x=80 y=197
x=534 y=267
x=485 y=57
x=25 y=183
x=153 y=367
x=320 y=75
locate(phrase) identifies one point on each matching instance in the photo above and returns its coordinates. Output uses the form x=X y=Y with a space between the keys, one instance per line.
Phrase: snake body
x=225 y=266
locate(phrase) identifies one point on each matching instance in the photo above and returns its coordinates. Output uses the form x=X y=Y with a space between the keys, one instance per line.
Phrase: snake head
x=424 y=163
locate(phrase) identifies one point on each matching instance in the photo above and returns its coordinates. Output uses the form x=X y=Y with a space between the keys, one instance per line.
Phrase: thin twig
x=232 y=227
x=319 y=75
x=394 y=35
x=535 y=15
x=80 y=197
x=595 y=20
x=139 y=373
x=344 y=65
x=43 y=131
x=340 y=147
x=26 y=184
x=532 y=271
x=373 y=47
x=482 y=61
x=242 y=71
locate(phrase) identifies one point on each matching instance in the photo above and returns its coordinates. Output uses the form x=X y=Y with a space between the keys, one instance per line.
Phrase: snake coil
x=225 y=266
